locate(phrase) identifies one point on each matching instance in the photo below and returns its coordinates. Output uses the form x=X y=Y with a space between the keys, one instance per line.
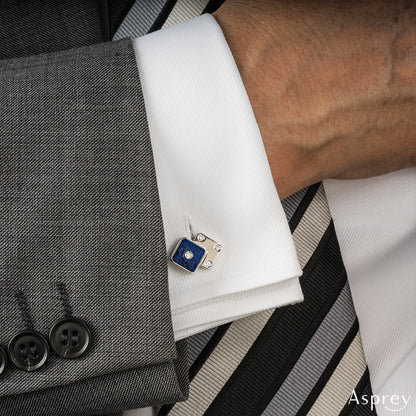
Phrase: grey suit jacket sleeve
x=81 y=234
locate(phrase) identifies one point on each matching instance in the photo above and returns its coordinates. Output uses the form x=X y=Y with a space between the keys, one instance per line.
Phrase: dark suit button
x=70 y=337
x=28 y=350
x=3 y=360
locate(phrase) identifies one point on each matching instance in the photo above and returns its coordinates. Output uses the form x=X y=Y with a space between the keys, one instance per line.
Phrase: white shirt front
x=213 y=177
x=375 y=221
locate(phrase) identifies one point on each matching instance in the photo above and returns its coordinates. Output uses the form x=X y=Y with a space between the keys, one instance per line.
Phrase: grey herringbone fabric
x=79 y=207
x=157 y=384
x=29 y=27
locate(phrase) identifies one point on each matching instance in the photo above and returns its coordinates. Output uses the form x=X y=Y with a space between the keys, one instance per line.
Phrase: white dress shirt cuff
x=213 y=178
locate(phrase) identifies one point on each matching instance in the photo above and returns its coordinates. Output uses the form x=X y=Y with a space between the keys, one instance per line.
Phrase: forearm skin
x=332 y=85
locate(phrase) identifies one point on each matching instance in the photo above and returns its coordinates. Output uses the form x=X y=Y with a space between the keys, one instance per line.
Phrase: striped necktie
x=299 y=360
x=303 y=359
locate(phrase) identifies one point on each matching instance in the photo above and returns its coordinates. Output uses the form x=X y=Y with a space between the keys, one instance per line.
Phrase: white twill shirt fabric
x=375 y=221
x=214 y=178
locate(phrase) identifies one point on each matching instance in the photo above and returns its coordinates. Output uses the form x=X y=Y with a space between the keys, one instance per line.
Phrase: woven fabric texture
x=157 y=384
x=80 y=207
x=29 y=27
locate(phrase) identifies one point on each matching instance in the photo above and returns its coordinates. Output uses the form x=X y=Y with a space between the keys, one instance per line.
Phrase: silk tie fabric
x=304 y=359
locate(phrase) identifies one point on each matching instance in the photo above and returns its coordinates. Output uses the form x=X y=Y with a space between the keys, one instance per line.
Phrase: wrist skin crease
x=332 y=85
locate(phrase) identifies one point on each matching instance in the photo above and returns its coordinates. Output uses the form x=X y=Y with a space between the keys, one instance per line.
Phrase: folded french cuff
x=213 y=178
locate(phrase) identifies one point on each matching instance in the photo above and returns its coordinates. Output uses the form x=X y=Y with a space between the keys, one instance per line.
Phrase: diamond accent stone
x=218 y=247
x=208 y=264
x=200 y=237
x=188 y=255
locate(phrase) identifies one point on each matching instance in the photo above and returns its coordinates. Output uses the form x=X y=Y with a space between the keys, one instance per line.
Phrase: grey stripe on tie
x=242 y=334
x=139 y=19
x=185 y=10
x=311 y=228
x=197 y=342
x=221 y=364
x=345 y=378
x=315 y=358
x=290 y=204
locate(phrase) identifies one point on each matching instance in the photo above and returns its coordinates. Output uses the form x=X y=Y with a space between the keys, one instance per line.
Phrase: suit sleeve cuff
x=213 y=177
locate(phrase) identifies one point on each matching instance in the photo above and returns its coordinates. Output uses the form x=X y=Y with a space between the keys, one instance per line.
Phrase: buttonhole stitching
x=63 y=297
x=24 y=309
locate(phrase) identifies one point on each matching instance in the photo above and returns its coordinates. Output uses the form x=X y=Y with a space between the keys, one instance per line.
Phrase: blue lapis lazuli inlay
x=179 y=255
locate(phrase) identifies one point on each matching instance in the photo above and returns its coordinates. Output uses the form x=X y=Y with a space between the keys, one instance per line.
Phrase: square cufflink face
x=188 y=255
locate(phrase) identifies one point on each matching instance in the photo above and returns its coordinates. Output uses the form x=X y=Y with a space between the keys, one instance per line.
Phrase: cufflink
x=201 y=251
x=212 y=248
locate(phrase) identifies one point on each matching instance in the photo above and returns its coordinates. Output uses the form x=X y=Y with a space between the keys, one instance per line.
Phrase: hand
x=332 y=84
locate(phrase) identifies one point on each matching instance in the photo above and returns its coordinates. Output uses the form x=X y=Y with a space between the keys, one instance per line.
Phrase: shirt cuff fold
x=213 y=178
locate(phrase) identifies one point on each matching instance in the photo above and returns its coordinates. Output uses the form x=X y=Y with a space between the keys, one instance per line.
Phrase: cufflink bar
x=201 y=251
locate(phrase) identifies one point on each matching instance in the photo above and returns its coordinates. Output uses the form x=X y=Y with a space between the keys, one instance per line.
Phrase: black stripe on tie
x=117 y=10
x=307 y=199
x=200 y=361
x=163 y=16
x=207 y=351
x=363 y=388
x=326 y=375
x=285 y=336
x=212 y=6
x=219 y=333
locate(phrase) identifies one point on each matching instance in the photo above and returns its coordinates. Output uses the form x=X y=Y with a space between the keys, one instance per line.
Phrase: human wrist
x=266 y=64
x=331 y=87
